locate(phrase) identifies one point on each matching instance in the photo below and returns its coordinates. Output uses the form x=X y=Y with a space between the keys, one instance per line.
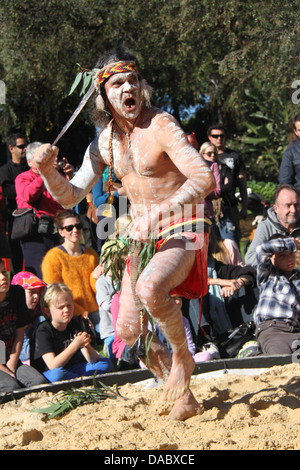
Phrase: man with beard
x=282 y=218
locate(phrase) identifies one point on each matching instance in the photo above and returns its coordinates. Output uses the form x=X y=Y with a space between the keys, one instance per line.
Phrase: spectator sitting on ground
x=33 y=287
x=277 y=316
x=14 y=318
x=224 y=281
x=225 y=250
x=62 y=350
x=75 y=265
x=283 y=218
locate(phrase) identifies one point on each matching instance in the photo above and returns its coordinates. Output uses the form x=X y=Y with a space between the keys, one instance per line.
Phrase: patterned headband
x=117 y=67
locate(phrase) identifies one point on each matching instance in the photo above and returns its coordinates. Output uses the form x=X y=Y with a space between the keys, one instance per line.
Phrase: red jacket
x=29 y=187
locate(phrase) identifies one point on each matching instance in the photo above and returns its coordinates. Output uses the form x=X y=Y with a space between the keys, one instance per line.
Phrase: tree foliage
x=204 y=60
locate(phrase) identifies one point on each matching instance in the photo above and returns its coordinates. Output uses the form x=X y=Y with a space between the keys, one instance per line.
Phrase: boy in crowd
x=33 y=287
x=14 y=316
x=62 y=350
x=277 y=315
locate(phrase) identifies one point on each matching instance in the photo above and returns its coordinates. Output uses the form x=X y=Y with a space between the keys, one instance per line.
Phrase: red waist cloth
x=196 y=283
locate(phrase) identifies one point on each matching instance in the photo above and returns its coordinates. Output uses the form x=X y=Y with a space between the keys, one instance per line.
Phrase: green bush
x=266 y=190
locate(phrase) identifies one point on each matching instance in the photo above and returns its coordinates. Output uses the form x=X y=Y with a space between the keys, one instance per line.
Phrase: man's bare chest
x=139 y=156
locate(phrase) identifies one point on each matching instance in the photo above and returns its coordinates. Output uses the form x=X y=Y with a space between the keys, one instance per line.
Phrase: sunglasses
x=22 y=147
x=210 y=154
x=69 y=228
x=217 y=136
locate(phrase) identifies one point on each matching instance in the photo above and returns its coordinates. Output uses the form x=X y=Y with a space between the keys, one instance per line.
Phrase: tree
x=200 y=57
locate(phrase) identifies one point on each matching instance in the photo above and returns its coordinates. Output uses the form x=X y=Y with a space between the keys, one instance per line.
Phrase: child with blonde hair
x=62 y=350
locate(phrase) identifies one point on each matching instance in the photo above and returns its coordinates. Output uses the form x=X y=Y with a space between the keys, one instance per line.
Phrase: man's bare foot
x=185 y=407
x=179 y=378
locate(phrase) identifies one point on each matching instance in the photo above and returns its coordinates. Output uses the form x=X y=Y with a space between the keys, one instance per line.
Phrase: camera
x=45 y=226
x=61 y=164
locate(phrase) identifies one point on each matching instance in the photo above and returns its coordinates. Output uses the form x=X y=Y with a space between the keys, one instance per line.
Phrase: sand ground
x=259 y=412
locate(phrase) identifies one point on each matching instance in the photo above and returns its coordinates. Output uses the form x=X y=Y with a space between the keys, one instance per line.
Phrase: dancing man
x=161 y=174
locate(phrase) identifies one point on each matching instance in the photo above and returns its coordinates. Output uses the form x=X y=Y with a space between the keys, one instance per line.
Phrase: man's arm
x=69 y=193
x=266 y=250
x=260 y=236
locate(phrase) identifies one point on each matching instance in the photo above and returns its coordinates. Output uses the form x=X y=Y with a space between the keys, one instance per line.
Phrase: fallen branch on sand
x=70 y=399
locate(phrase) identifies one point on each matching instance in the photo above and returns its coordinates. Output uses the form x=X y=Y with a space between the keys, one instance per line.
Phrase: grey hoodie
x=104 y=295
x=265 y=229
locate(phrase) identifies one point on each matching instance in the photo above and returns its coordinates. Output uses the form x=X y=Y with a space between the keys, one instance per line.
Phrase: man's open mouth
x=129 y=103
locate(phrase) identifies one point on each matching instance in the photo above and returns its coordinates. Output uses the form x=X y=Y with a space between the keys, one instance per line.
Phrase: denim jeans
x=227 y=225
x=108 y=343
x=78 y=370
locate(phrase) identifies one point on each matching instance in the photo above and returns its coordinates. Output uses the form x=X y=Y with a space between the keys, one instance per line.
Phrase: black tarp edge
x=137 y=375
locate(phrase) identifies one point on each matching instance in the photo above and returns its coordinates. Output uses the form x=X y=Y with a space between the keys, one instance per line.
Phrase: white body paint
x=161 y=173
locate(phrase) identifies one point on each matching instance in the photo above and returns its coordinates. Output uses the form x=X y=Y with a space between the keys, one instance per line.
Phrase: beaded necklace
x=108 y=212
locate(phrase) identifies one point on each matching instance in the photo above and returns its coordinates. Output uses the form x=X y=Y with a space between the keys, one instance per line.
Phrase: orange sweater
x=76 y=273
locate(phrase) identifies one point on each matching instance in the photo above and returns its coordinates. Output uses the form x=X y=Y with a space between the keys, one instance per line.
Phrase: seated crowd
x=58 y=315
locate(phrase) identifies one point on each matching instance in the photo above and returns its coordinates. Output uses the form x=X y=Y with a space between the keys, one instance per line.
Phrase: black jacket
x=289 y=172
x=8 y=174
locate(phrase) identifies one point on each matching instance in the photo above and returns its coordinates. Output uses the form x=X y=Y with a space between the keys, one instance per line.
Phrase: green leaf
x=255 y=140
x=260 y=115
x=71 y=399
x=252 y=127
x=87 y=79
x=76 y=82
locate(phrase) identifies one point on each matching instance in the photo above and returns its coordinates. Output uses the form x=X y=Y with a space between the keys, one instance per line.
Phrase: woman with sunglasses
x=209 y=152
x=75 y=265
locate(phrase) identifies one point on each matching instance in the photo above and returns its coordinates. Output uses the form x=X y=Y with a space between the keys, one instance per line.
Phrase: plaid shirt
x=279 y=296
